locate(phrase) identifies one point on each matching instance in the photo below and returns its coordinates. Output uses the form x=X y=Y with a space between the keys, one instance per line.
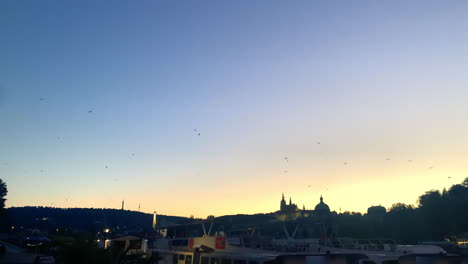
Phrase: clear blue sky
x=259 y=80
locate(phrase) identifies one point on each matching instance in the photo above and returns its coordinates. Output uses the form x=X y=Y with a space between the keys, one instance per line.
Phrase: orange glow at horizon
x=351 y=187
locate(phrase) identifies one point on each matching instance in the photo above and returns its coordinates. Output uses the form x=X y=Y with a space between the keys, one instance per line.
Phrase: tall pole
x=154 y=221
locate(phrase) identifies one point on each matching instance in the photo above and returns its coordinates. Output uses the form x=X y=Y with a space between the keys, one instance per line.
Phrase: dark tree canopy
x=437 y=215
x=465 y=182
x=3 y=193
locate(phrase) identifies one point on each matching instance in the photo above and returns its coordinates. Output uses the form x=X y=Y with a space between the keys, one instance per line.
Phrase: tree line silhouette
x=82 y=219
x=436 y=216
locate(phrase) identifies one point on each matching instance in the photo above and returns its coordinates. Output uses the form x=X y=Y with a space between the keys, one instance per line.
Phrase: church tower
x=283 y=204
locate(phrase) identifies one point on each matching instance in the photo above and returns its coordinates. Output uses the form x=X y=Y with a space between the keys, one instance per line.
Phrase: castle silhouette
x=291 y=208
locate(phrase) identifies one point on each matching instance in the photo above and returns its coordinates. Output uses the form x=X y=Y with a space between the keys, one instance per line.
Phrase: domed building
x=376 y=213
x=322 y=208
x=315 y=222
x=324 y=221
x=376 y=210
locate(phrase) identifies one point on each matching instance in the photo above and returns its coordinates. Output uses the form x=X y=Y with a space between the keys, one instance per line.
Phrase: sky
x=218 y=107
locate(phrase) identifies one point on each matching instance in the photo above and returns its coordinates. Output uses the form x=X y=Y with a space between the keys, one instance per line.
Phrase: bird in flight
x=41 y=99
x=431 y=167
x=90 y=111
x=106 y=166
x=345 y=163
x=318 y=142
x=450 y=177
x=388 y=159
x=410 y=160
x=286 y=159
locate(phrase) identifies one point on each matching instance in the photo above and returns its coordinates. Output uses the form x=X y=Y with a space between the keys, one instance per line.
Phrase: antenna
x=211 y=226
x=204 y=230
x=286 y=232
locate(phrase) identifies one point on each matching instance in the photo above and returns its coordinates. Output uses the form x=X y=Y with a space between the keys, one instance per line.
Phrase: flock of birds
x=197 y=133
x=286 y=159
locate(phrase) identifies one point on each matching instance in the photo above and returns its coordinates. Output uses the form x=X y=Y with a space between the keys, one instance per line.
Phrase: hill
x=84 y=219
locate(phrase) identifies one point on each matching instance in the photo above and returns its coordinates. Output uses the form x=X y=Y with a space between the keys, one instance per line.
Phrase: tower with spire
x=123 y=202
x=287 y=208
x=283 y=204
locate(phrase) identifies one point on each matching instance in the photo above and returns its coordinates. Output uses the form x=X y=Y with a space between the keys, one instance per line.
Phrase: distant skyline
x=192 y=107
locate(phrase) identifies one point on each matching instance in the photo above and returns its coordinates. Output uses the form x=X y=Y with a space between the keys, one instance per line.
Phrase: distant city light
x=107 y=230
x=12 y=227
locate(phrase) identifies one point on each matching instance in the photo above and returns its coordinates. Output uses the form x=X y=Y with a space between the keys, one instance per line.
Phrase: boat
x=221 y=249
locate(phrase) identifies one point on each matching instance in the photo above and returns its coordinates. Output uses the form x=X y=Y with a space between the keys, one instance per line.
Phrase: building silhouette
x=376 y=213
x=287 y=208
x=292 y=211
x=322 y=208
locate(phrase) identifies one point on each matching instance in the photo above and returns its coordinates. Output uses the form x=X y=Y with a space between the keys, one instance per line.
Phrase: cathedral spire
x=290 y=202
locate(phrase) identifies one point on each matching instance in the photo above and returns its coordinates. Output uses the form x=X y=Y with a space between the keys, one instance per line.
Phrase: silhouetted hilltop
x=437 y=215
x=85 y=219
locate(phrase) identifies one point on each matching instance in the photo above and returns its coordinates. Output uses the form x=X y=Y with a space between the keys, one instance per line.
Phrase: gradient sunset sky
x=100 y=100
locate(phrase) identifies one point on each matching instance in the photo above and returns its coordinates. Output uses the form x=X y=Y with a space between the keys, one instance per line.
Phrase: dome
x=322 y=207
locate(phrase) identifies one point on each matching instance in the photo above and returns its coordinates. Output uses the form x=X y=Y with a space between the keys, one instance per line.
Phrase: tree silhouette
x=3 y=193
x=437 y=215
